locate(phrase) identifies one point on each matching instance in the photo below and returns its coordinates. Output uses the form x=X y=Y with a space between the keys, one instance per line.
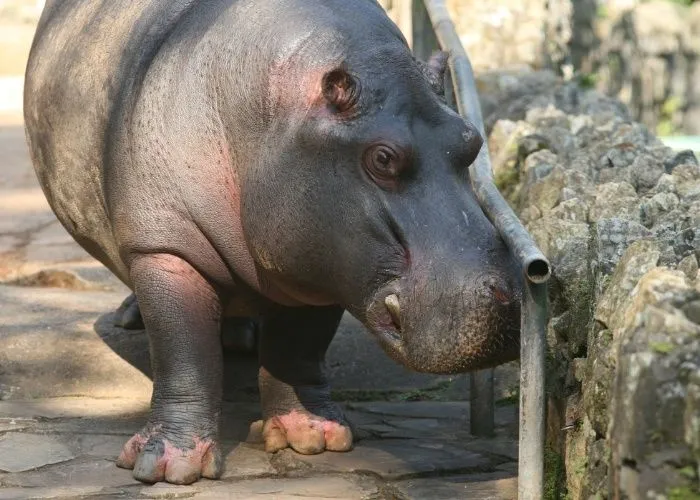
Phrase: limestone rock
x=618 y=215
x=655 y=416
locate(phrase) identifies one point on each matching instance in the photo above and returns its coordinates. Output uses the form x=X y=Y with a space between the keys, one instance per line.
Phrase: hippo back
x=81 y=79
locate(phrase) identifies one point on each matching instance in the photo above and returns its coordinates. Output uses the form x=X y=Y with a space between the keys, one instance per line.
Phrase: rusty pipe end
x=537 y=268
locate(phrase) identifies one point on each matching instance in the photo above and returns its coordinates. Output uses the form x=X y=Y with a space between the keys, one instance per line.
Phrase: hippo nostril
x=500 y=294
x=394 y=308
x=498 y=290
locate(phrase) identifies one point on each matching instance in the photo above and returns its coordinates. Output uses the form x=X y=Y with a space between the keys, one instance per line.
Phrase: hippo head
x=361 y=197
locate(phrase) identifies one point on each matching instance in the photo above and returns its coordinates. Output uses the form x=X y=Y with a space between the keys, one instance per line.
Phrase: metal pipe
x=535 y=267
x=532 y=397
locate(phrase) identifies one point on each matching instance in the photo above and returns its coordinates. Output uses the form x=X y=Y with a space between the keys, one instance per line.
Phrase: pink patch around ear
x=314 y=91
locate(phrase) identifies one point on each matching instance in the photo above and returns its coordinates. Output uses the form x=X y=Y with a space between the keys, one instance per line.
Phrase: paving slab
x=21 y=452
x=163 y=490
x=16 y=424
x=75 y=441
x=506 y=447
x=73 y=407
x=493 y=486
x=16 y=171
x=338 y=487
x=83 y=472
x=394 y=459
x=246 y=461
x=73 y=492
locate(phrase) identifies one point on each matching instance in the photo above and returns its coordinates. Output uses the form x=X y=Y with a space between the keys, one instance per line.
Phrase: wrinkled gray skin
x=281 y=158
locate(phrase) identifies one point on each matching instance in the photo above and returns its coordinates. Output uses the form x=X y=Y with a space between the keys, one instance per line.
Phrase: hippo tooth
x=392 y=304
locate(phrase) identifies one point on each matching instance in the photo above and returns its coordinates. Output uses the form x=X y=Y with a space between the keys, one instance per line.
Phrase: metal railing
x=433 y=29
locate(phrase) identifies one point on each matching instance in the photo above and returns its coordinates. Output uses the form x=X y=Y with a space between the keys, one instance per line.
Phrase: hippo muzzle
x=429 y=329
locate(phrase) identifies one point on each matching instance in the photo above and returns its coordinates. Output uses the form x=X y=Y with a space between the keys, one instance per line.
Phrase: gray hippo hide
x=282 y=158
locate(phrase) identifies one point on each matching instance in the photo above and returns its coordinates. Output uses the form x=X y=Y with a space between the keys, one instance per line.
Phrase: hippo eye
x=383 y=157
x=383 y=164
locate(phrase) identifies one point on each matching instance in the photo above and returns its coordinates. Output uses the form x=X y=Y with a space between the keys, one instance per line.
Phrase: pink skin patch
x=175 y=465
x=130 y=451
x=306 y=433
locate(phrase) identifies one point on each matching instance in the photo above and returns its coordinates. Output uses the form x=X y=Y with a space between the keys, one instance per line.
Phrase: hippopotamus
x=281 y=159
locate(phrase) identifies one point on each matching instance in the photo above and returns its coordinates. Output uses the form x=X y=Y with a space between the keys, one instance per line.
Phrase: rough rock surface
x=645 y=53
x=649 y=56
x=618 y=214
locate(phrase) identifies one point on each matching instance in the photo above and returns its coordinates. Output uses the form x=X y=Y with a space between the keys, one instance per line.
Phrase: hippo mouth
x=476 y=327
x=384 y=321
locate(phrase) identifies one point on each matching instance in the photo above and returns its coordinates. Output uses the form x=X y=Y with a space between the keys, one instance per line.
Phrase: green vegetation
x=683 y=493
x=513 y=397
x=688 y=472
x=439 y=392
x=682 y=2
x=554 y=476
x=669 y=108
x=506 y=179
x=587 y=80
x=580 y=466
x=662 y=347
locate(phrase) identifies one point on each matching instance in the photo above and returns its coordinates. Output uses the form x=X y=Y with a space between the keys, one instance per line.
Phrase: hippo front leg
x=296 y=402
x=182 y=313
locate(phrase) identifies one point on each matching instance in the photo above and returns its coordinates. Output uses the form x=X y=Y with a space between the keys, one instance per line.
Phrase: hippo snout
x=447 y=327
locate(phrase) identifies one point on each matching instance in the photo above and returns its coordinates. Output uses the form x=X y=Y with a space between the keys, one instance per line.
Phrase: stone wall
x=646 y=54
x=649 y=57
x=618 y=215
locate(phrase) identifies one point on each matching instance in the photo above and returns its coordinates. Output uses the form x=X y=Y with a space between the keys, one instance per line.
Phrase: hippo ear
x=434 y=71
x=341 y=90
x=438 y=62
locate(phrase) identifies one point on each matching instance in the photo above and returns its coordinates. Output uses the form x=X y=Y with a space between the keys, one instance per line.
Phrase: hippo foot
x=154 y=458
x=304 y=432
x=303 y=418
x=128 y=314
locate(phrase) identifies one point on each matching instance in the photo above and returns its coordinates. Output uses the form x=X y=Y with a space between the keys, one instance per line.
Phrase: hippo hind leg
x=296 y=403
x=239 y=336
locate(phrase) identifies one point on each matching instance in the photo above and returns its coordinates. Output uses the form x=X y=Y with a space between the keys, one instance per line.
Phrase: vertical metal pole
x=481 y=410
x=532 y=397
